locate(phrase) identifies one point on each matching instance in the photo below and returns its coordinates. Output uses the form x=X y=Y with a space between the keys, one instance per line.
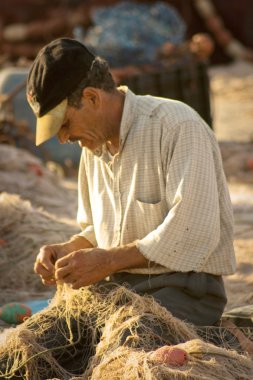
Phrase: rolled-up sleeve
x=191 y=229
x=84 y=214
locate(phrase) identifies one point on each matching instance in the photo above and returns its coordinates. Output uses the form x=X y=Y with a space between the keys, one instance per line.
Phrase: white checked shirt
x=165 y=190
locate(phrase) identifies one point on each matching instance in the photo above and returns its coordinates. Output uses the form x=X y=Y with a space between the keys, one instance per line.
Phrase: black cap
x=56 y=72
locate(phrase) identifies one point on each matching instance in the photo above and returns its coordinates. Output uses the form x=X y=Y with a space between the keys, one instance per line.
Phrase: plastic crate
x=187 y=83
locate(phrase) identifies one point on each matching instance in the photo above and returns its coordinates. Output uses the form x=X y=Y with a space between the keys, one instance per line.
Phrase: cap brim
x=48 y=125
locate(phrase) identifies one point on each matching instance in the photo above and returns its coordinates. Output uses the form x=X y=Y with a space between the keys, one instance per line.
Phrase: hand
x=45 y=262
x=83 y=267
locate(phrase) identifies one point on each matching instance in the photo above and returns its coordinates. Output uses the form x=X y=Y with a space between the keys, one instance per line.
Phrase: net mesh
x=109 y=332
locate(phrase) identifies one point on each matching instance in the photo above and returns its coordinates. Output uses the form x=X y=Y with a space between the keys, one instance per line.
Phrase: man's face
x=84 y=124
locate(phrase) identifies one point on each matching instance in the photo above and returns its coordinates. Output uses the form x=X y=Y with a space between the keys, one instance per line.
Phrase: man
x=154 y=206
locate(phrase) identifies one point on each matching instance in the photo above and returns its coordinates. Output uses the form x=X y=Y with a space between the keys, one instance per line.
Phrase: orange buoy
x=169 y=355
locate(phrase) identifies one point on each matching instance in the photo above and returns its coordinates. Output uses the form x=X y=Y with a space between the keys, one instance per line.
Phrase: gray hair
x=99 y=76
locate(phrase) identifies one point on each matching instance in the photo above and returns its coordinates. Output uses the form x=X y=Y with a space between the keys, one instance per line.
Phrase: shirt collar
x=128 y=114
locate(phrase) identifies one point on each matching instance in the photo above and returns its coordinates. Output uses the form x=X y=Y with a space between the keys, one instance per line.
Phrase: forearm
x=77 y=242
x=88 y=266
x=127 y=257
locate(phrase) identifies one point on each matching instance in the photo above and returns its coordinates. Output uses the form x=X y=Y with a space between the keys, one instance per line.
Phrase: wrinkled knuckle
x=78 y=254
x=74 y=263
x=35 y=268
x=40 y=257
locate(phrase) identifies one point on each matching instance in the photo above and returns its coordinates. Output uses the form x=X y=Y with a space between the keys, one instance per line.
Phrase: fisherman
x=154 y=207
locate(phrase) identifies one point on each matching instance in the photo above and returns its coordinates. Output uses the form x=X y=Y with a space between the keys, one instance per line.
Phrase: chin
x=91 y=145
x=80 y=143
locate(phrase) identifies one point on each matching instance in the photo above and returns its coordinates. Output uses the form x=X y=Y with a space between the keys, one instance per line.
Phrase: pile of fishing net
x=141 y=30
x=102 y=332
x=31 y=196
x=24 y=174
x=24 y=229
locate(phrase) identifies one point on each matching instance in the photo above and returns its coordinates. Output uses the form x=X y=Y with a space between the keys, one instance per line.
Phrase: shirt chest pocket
x=149 y=216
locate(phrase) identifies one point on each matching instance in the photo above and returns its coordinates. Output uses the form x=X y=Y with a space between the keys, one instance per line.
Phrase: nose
x=63 y=135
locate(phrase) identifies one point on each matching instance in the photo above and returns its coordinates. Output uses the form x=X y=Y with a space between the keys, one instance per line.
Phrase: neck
x=117 y=99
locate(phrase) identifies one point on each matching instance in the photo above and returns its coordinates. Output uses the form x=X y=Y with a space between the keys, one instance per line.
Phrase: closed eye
x=65 y=125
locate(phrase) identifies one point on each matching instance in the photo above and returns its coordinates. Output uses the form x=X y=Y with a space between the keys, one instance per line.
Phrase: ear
x=92 y=96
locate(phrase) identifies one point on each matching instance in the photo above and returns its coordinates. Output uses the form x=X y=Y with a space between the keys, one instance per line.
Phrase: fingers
x=74 y=283
x=63 y=274
x=47 y=259
x=64 y=261
x=46 y=277
x=49 y=282
x=44 y=265
x=78 y=284
x=82 y=268
x=42 y=270
x=67 y=270
x=63 y=268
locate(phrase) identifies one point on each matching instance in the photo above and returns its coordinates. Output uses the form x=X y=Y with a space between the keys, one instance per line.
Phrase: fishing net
x=24 y=174
x=133 y=43
x=24 y=230
x=109 y=332
x=37 y=207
